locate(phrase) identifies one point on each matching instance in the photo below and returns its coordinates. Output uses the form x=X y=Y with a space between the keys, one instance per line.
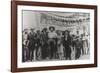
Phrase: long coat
x=67 y=44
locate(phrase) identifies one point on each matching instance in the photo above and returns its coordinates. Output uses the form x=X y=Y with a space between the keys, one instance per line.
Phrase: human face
x=51 y=30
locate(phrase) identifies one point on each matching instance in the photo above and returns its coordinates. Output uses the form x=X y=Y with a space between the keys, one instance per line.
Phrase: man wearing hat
x=31 y=44
x=78 y=48
x=52 y=41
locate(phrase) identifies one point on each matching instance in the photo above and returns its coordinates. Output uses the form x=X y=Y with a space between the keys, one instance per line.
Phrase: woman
x=60 y=51
x=44 y=43
x=67 y=44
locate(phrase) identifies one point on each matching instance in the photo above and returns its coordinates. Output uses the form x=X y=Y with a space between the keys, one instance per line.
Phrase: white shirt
x=52 y=35
x=25 y=38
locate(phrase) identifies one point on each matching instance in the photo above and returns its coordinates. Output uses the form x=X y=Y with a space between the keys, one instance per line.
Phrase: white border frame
x=52 y=63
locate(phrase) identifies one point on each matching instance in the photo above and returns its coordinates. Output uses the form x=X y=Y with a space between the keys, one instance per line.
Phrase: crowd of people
x=51 y=44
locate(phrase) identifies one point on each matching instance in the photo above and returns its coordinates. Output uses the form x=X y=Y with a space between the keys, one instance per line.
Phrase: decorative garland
x=46 y=18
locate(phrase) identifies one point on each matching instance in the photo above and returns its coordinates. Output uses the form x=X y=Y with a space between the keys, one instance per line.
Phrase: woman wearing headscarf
x=44 y=44
x=67 y=44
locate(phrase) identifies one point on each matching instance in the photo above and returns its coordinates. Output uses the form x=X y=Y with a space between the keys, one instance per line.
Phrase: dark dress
x=67 y=47
x=44 y=41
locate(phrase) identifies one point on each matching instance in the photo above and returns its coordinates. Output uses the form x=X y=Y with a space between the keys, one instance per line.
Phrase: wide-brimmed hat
x=32 y=29
x=67 y=31
x=44 y=29
x=51 y=27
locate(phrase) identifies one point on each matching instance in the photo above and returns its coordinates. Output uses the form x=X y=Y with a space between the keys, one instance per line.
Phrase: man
x=73 y=41
x=31 y=44
x=85 y=43
x=52 y=42
x=78 y=48
x=38 y=44
x=24 y=46
x=81 y=44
